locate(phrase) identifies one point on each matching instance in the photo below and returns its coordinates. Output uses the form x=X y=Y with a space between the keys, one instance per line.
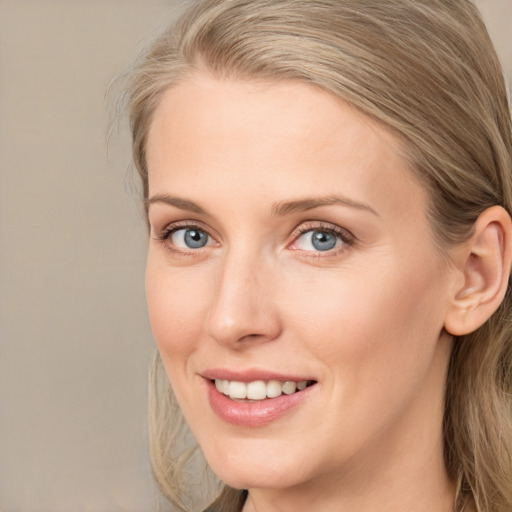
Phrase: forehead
x=288 y=109
x=284 y=135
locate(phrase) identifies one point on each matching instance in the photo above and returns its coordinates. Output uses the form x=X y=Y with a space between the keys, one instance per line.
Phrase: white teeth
x=274 y=388
x=289 y=387
x=237 y=389
x=258 y=389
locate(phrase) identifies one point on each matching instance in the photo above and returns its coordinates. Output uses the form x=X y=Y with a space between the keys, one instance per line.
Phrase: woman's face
x=290 y=243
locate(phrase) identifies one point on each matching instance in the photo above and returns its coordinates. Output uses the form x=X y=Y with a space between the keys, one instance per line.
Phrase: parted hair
x=425 y=69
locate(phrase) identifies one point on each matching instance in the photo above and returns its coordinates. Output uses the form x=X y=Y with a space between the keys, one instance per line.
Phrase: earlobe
x=485 y=261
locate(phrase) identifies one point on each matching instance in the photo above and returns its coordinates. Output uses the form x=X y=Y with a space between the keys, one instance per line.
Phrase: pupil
x=195 y=238
x=323 y=241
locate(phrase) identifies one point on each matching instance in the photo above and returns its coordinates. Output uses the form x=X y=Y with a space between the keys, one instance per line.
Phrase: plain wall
x=74 y=335
x=75 y=339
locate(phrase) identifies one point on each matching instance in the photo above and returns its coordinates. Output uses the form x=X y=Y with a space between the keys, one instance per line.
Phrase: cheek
x=175 y=300
x=376 y=341
x=366 y=324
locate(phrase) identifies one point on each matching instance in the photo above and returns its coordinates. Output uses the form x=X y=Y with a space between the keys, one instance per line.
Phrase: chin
x=256 y=480
x=243 y=470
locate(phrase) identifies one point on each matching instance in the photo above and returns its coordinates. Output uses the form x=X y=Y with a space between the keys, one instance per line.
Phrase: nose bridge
x=242 y=307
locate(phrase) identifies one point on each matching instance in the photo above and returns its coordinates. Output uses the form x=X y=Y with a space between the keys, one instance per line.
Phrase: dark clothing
x=230 y=500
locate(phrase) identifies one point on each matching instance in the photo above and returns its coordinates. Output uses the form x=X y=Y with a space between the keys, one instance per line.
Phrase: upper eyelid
x=323 y=226
x=182 y=224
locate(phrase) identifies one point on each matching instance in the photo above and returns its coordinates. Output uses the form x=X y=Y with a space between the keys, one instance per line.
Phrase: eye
x=189 y=238
x=318 y=239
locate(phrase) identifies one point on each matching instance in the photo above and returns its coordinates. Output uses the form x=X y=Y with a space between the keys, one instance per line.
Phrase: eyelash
x=163 y=236
x=347 y=238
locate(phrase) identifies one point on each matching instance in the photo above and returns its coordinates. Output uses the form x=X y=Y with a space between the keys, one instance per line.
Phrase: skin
x=365 y=320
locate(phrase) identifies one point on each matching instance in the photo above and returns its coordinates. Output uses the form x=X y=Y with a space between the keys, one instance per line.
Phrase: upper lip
x=251 y=375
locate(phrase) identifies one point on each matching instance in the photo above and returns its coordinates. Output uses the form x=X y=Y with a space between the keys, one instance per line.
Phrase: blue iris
x=195 y=238
x=323 y=241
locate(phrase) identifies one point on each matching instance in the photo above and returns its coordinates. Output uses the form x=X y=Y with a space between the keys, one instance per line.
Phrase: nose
x=243 y=310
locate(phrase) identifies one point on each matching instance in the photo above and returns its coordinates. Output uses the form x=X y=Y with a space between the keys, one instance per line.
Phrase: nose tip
x=239 y=332
x=243 y=310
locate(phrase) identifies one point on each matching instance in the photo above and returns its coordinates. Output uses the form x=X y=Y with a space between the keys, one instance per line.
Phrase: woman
x=328 y=190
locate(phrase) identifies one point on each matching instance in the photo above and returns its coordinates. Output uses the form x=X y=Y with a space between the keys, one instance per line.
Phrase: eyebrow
x=279 y=209
x=178 y=202
x=303 y=205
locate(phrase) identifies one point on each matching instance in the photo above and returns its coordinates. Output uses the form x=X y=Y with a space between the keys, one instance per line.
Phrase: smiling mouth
x=259 y=389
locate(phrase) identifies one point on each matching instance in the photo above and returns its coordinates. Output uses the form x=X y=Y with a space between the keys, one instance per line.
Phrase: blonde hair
x=427 y=70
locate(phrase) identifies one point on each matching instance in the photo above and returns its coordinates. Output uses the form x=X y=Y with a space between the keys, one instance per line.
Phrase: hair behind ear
x=478 y=415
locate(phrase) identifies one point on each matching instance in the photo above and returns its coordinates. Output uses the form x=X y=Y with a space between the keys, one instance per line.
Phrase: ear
x=484 y=262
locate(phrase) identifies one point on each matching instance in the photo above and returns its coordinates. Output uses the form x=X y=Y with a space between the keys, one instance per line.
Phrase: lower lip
x=254 y=414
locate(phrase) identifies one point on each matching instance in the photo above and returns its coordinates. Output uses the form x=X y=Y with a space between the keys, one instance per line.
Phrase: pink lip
x=254 y=414
x=251 y=375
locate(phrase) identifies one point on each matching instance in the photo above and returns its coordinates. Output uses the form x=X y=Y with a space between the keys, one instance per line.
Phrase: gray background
x=74 y=336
